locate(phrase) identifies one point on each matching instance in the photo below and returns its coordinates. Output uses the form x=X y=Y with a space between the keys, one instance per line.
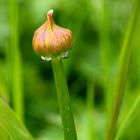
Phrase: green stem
x=105 y=51
x=122 y=72
x=64 y=100
x=90 y=110
x=15 y=61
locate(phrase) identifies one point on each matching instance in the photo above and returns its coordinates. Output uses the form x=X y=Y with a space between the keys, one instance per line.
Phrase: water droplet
x=65 y=54
x=43 y=58
x=46 y=58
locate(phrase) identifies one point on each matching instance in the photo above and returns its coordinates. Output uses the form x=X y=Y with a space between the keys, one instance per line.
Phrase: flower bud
x=50 y=40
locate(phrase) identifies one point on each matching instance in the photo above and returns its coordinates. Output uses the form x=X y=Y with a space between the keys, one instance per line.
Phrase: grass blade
x=11 y=125
x=122 y=72
x=15 y=62
x=128 y=118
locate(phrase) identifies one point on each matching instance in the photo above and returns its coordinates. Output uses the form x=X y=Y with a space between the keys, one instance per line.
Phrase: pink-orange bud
x=50 y=40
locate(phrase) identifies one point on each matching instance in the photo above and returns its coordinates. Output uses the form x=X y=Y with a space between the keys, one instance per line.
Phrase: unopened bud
x=50 y=40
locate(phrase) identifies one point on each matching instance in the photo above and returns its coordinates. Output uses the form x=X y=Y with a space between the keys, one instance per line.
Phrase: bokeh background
x=98 y=27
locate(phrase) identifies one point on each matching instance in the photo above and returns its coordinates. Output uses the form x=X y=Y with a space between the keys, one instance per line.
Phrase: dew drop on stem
x=65 y=54
x=47 y=58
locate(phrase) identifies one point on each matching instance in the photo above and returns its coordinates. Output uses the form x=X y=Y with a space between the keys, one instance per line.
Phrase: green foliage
x=98 y=27
x=130 y=119
x=122 y=71
x=11 y=127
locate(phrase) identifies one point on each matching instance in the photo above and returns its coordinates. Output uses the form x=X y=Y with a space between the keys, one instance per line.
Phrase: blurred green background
x=98 y=27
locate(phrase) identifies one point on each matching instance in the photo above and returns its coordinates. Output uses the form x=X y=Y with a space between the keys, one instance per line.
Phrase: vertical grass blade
x=90 y=110
x=63 y=100
x=122 y=72
x=128 y=118
x=15 y=62
x=105 y=50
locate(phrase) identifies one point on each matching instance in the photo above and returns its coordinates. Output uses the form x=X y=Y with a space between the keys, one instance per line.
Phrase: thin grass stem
x=15 y=62
x=122 y=72
x=105 y=51
x=128 y=118
x=90 y=110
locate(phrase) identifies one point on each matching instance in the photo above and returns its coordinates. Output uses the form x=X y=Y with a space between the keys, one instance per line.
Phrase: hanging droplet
x=46 y=58
x=43 y=58
x=65 y=54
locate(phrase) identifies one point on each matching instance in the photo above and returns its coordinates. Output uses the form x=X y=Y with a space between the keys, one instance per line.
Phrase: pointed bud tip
x=50 y=12
x=51 y=40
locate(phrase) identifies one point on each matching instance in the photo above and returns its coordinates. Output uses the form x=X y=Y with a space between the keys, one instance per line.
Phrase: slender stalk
x=90 y=110
x=105 y=51
x=122 y=72
x=15 y=62
x=64 y=100
x=128 y=118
